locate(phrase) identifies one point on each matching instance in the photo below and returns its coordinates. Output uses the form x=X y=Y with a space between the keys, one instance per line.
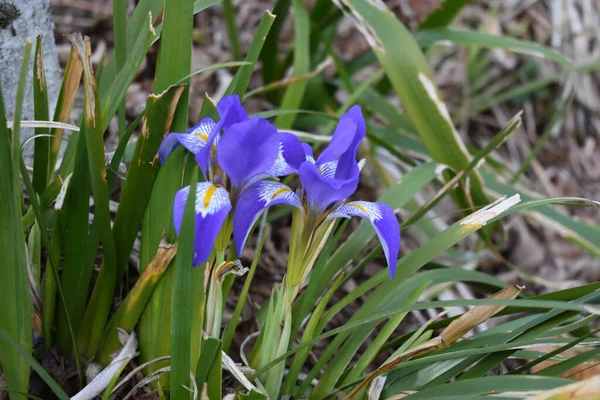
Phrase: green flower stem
x=214 y=302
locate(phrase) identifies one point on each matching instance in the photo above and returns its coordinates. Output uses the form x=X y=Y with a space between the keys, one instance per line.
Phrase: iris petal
x=321 y=191
x=308 y=152
x=193 y=140
x=253 y=201
x=341 y=141
x=289 y=158
x=328 y=169
x=230 y=112
x=344 y=144
x=211 y=209
x=383 y=220
x=292 y=150
x=347 y=166
x=247 y=149
x=167 y=146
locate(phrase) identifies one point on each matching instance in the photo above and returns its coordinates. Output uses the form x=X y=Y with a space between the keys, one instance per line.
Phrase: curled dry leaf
x=475 y=316
x=457 y=329
x=584 y=390
x=102 y=380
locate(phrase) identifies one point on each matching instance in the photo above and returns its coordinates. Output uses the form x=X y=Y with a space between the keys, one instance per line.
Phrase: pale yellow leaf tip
x=481 y=217
x=150 y=23
x=63 y=192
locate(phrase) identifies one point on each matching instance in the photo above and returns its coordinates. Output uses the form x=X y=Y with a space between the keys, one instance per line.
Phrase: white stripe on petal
x=363 y=209
x=251 y=204
x=280 y=167
x=384 y=221
x=210 y=199
x=192 y=143
x=328 y=169
x=203 y=128
x=270 y=191
x=195 y=139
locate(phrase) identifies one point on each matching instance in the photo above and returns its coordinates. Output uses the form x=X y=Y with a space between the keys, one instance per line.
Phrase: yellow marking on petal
x=202 y=136
x=361 y=208
x=209 y=194
x=280 y=191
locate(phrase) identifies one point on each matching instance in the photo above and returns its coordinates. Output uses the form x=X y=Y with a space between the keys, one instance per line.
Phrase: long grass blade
x=182 y=298
x=129 y=312
x=15 y=302
x=242 y=77
x=173 y=64
x=72 y=228
x=8 y=341
x=41 y=155
x=98 y=308
x=239 y=307
x=444 y=14
x=52 y=268
x=160 y=110
x=473 y=38
x=120 y=40
x=65 y=102
x=295 y=92
x=232 y=31
x=409 y=74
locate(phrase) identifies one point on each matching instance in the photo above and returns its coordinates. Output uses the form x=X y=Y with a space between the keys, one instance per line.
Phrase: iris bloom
x=233 y=154
x=326 y=183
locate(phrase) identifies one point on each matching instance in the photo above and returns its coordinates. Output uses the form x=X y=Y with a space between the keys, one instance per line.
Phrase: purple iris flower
x=326 y=182
x=233 y=154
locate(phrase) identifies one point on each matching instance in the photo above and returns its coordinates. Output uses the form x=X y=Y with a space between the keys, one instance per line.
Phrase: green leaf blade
x=15 y=301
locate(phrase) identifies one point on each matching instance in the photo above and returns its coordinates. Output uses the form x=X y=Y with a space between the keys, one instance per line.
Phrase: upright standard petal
x=383 y=220
x=253 y=201
x=347 y=166
x=230 y=112
x=341 y=141
x=247 y=149
x=321 y=191
x=347 y=137
x=211 y=208
x=193 y=140
x=308 y=153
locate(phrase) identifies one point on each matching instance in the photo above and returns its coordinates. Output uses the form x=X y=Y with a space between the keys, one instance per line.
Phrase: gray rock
x=34 y=15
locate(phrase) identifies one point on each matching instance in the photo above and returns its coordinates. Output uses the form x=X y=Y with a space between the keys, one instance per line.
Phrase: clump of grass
x=52 y=237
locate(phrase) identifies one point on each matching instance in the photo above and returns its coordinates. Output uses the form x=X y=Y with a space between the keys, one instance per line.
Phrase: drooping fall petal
x=384 y=221
x=211 y=209
x=193 y=140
